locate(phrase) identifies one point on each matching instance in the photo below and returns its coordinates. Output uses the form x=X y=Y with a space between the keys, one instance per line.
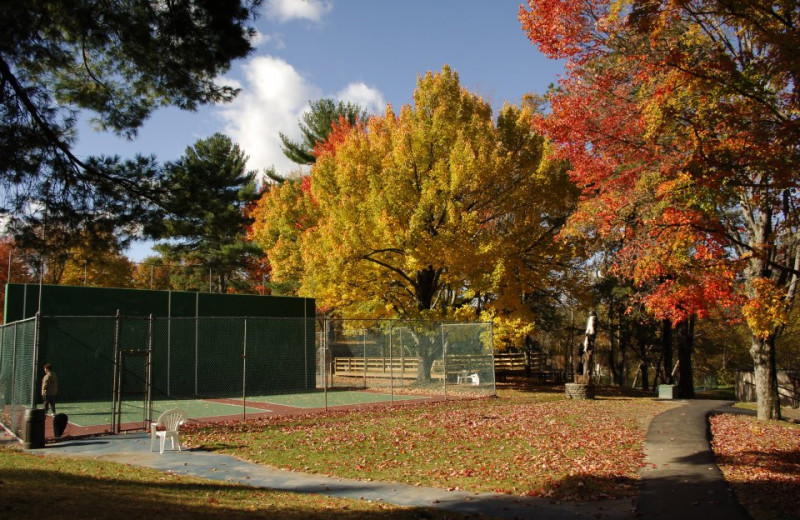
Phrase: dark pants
x=51 y=400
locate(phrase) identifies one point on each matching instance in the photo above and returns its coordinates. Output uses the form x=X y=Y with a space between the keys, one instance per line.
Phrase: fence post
x=364 y=360
x=305 y=343
x=391 y=355
x=169 y=342
x=244 y=372
x=324 y=360
x=115 y=389
x=491 y=345
x=35 y=366
x=444 y=359
x=149 y=371
x=14 y=368
x=196 y=341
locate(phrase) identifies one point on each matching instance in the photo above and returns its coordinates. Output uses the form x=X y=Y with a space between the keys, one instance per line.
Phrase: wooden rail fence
x=406 y=367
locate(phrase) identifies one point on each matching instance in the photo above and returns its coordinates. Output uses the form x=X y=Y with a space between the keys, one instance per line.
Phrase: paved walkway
x=681 y=480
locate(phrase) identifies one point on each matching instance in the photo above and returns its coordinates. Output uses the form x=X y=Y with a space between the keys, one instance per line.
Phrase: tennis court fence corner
x=116 y=373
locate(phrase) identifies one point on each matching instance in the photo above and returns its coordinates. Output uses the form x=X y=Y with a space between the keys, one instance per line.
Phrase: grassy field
x=523 y=442
x=520 y=443
x=33 y=486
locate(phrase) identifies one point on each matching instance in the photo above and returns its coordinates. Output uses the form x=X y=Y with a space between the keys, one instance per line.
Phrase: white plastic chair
x=468 y=379
x=170 y=421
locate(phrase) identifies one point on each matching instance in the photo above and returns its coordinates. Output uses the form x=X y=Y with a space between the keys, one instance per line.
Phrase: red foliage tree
x=682 y=123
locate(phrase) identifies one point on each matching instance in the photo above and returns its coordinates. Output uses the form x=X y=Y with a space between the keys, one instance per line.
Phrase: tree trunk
x=685 y=350
x=643 y=369
x=766 y=378
x=425 y=287
x=577 y=365
x=426 y=355
x=666 y=351
x=426 y=284
x=612 y=346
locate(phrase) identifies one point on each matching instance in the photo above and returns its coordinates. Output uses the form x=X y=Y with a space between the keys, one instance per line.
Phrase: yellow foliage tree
x=427 y=213
x=284 y=212
x=88 y=265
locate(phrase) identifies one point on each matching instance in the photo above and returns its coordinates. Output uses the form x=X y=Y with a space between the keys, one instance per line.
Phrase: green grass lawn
x=520 y=443
x=33 y=486
x=525 y=442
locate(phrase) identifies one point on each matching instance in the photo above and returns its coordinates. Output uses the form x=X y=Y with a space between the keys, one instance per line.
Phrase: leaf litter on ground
x=561 y=449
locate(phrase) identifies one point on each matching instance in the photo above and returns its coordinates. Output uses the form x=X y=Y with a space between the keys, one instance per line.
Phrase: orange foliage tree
x=682 y=124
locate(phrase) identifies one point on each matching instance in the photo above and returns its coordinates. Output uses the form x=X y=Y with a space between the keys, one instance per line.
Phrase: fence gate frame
x=120 y=380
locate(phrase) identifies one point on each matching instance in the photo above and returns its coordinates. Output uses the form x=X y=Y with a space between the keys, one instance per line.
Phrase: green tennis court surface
x=99 y=413
x=317 y=399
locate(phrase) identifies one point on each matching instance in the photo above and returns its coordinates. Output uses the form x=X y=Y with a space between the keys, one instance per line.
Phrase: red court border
x=269 y=410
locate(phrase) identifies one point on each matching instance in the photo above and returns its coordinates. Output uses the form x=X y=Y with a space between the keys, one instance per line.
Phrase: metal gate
x=132 y=400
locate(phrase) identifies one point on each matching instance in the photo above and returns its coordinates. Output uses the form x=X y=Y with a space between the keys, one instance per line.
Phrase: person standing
x=49 y=388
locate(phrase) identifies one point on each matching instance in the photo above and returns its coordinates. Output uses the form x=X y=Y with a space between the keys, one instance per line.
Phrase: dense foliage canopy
x=681 y=122
x=433 y=211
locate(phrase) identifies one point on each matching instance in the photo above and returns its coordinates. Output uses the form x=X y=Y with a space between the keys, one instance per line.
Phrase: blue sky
x=366 y=51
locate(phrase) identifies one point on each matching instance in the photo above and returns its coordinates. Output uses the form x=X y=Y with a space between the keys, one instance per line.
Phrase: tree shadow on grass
x=588 y=487
x=34 y=493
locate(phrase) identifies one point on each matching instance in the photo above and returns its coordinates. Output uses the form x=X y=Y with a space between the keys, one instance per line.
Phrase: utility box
x=33 y=438
x=667 y=392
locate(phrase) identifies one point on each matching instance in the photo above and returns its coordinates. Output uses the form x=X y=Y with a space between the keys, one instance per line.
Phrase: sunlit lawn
x=527 y=443
x=520 y=443
x=37 y=487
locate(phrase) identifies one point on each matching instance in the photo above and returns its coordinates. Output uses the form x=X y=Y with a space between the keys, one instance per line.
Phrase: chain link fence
x=17 y=366
x=119 y=373
x=416 y=357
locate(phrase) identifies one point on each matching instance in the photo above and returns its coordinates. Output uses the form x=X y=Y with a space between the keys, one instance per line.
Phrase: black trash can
x=33 y=438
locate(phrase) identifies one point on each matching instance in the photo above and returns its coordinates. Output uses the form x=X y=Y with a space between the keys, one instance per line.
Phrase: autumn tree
x=681 y=122
x=97 y=267
x=437 y=211
x=119 y=62
x=208 y=190
x=153 y=272
x=283 y=214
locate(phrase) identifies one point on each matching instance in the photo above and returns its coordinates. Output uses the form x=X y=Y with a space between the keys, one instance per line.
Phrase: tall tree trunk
x=428 y=350
x=425 y=287
x=766 y=378
x=666 y=351
x=643 y=369
x=644 y=358
x=685 y=350
x=612 y=346
x=577 y=366
x=624 y=338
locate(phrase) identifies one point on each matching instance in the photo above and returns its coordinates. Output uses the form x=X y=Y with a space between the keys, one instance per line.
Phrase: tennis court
x=338 y=398
x=95 y=416
x=99 y=413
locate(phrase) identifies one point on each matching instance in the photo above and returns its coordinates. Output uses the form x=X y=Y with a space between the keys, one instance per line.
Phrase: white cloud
x=366 y=97
x=275 y=40
x=274 y=97
x=287 y=10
